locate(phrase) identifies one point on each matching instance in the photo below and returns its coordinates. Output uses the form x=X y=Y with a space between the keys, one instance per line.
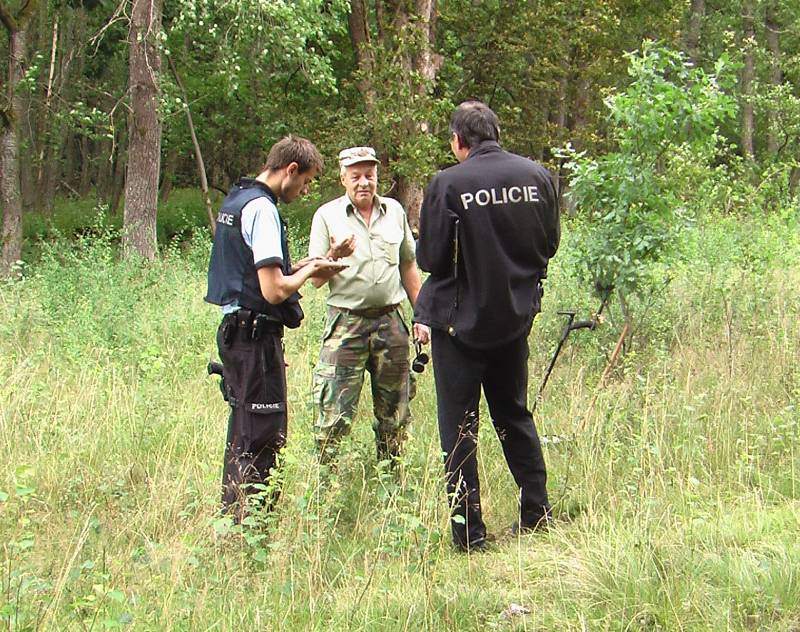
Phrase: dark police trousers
x=255 y=381
x=459 y=373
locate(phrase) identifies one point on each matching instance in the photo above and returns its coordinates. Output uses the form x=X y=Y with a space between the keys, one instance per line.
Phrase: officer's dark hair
x=291 y=149
x=474 y=122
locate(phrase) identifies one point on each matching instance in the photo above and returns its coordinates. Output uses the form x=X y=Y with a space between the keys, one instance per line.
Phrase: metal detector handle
x=568 y=327
x=584 y=324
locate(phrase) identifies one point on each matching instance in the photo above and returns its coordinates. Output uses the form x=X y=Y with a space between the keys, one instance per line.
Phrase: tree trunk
x=117 y=174
x=71 y=67
x=696 y=15
x=167 y=178
x=409 y=194
x=49 y=141
x=28 y=187
x=144 y=132
x=10 y=190
x=396 y=23
x=775 y=72
x=85 y=183
x=70 y=162
x=51 y=175
x=562 y=96
x=103 y=155
x=748 y=75
x=425 y=63
x=580 y=106
x=358 y=25
x=794 y=181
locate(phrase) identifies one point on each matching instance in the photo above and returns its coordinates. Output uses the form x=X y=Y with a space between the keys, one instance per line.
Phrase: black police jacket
x=232 y=273
x=488 y=227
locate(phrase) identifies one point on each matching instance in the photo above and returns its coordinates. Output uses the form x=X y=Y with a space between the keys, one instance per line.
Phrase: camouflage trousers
x=352 y=344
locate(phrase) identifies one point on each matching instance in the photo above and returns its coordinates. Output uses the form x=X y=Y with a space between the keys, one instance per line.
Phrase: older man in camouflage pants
x=364 y=328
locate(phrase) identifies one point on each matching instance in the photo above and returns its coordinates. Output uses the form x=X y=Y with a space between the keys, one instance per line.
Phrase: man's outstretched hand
x=304 y=262
x=343 y=248
x=325 y=268
x=321 y=267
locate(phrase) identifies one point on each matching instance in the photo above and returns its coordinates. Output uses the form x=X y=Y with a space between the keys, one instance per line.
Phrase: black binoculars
x=420 y=359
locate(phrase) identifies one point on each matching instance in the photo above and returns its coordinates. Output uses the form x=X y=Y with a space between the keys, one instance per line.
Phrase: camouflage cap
x=354 y=155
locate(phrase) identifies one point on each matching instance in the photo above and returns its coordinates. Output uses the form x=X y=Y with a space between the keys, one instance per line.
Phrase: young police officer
x=251 y=276
x=488 y=227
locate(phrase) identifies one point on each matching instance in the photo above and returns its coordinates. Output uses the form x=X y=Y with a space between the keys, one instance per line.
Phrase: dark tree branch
x=26 y=13
x=7 y=19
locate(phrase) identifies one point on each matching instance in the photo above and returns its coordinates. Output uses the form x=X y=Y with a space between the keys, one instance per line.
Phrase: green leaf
x=223 y=525
x=260 y=555
x=116 y=595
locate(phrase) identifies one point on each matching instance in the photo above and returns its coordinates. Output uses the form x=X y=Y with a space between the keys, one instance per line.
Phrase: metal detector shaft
x=571 y=325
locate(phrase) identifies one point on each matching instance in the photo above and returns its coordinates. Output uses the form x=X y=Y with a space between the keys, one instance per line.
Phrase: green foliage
x=544 y=67
x=183 y=214
x=86 y=120
x=403 y=110
x=270 y=38
x=247 y=85
x=665 y=118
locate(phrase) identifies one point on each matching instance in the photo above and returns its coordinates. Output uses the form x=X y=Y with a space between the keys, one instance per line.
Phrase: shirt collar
x=484 y=147
x=246 y=183
x=377 y=204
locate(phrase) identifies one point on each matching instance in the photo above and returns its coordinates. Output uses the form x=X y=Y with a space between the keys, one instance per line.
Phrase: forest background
x=673 y=131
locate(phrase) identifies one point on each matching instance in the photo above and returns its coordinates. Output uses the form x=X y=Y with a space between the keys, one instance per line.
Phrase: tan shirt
x=372 y=278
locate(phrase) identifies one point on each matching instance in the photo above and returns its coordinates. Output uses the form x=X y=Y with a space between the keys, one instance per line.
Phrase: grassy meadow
x=678 y=504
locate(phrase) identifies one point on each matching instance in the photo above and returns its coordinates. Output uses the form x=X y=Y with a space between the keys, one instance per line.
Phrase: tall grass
x=678 y=504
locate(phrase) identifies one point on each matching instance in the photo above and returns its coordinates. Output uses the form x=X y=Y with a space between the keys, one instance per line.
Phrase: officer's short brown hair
x=291 y=149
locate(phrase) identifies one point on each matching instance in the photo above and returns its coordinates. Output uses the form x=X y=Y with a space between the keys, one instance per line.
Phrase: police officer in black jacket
x=488 y=227
x=251 y=277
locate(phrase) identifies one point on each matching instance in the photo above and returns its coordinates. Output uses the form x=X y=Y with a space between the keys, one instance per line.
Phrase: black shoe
x=543 y=523
x=484 y=545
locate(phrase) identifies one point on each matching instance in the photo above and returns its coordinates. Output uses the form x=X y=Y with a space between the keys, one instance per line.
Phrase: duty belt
x=370 y=312
x=249 y=325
